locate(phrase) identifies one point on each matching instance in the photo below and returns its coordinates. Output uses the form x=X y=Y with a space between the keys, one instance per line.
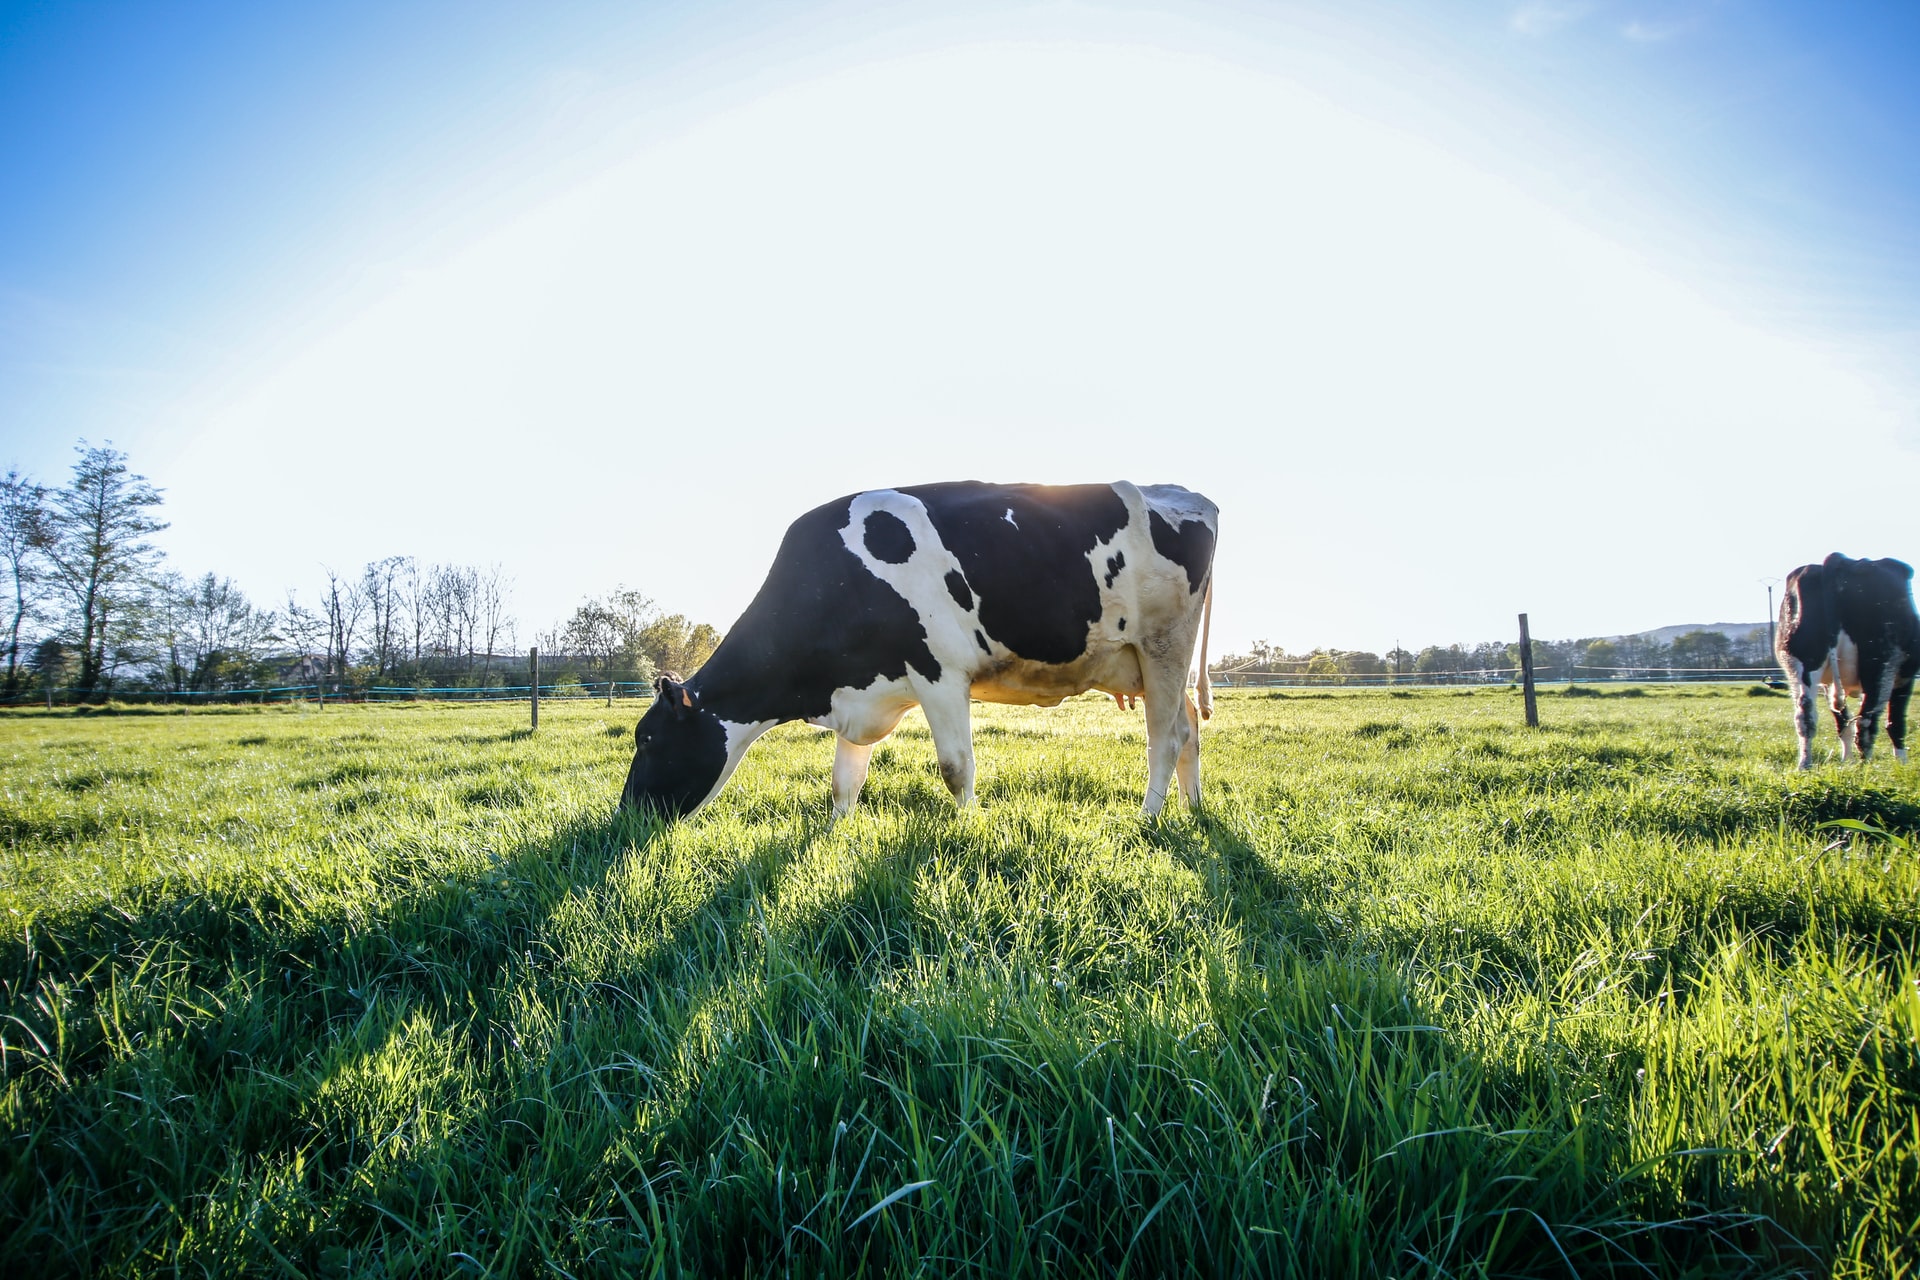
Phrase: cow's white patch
x=1009 y=518
x=864 y=716
x=1177 y=505
x=739 y=738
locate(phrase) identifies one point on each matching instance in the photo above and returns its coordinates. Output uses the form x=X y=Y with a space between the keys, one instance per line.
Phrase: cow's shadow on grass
x=162 y=1045
x=325 y=964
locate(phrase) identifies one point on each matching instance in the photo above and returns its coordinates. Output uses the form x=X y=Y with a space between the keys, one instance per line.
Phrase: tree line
x=1588 y=658
x=95 y=611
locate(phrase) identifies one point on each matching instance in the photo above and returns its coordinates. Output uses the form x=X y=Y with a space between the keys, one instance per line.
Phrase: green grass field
x=389 y=990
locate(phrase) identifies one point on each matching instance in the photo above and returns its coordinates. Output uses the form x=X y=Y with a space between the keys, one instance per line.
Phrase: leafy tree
x=99 y=551
x=51 y=663
x=1598 y=657
x=675 y=643
x=1359 y=662
x=593 y=633
x=24 y=534
x=1753 y=650
x=1702 y=649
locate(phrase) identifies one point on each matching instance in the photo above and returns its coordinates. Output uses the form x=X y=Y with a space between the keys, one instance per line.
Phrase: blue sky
x=473 y=281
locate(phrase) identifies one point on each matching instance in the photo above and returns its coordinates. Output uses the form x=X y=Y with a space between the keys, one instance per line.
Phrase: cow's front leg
x=950 y=719
x=850 y=761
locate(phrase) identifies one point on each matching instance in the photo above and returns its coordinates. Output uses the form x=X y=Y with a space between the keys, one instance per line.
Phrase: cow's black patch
x=821 y=621
x=1037 y=592
x=984 y=646
x=888 y=538
x=1115 y=563
x=958 y=589
x=1123 y=621
x=1191 y=547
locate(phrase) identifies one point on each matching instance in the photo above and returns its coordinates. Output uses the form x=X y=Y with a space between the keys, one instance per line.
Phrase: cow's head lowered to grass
x=679 y=753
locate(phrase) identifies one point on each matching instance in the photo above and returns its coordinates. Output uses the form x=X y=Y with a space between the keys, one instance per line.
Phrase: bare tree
x=454 y=605
x=223 y=633
x=25 y=533
x=346 y=606
x=170 y=614
x=305 y=630
x=380 y=588
x=98 y=549
x=414 y=591
x=494 y=618
x=466 y=601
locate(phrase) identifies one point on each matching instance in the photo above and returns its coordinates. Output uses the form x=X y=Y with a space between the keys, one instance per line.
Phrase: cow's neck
x=738 y=695
x=738 y=684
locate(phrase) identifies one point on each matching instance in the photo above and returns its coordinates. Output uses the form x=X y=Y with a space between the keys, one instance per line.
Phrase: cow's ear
x=675 y=695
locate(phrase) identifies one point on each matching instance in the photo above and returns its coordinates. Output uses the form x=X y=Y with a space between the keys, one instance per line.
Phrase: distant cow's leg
x=950 y=718
x=1837 y=703
x=1806 y=715
x=1876 y=689
x=1168 y=731
x=1187 y=769
x=849 y=773
x=1897 y=715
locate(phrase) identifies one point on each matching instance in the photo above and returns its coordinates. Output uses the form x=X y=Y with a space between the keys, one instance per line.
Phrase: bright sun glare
x=1057 y=262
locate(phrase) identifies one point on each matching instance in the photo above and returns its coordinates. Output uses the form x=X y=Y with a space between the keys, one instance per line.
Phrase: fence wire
x=640 y=690
x=562 y=691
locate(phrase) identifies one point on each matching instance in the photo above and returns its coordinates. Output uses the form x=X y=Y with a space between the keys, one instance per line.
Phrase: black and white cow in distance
x=1850 y=625
x=935 y=596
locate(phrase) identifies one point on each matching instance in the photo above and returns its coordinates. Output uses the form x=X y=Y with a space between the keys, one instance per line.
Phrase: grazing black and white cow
x=1850 y=625
x=937 y=595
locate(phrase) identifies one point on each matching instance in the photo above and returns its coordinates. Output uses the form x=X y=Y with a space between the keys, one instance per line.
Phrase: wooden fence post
x=1526 y=675
x=533 y=665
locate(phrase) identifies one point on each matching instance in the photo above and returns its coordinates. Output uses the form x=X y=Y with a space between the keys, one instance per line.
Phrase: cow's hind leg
x=850 y=761
x=1876 y=690
x=950 y=718
x=1802 y=682
x=1168 y=733
x=1187 y=768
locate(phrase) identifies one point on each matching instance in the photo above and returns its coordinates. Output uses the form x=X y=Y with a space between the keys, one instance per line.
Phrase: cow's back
x=1873 y=603
x=1023 y=550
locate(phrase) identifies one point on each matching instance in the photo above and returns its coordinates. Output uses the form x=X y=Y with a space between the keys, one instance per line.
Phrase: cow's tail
x=1204 y=688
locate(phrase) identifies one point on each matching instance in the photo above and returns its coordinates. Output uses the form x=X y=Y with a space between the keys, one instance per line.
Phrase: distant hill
x=1731 y=630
